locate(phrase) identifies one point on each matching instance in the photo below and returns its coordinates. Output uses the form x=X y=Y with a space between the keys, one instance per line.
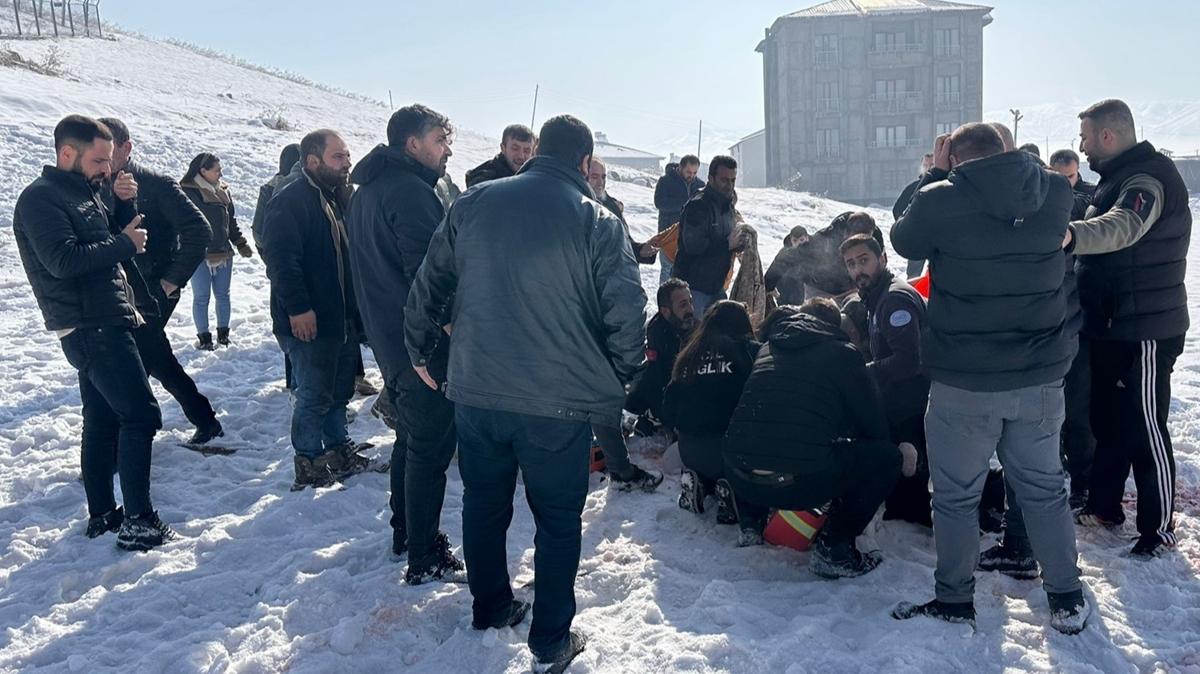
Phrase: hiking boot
x=345 y=460
x=204 y=342
x=512 y=616
x=749 y=536
x=363 y=387
x=558 y=664
x=445 y=567
x=204 y=435
x=840 y=559
x=1069 y=611
x=1150 y=547
x=991 y=521
x=384 y=411
x=102 y=524
x=1078 y=500
x=962 y=614
x=223 y=336
x=727 y=512
x=1090 y=518
x=312 y=472
x=691 y=492
x=144 y=532
x=644 y=480
x=1011 y=560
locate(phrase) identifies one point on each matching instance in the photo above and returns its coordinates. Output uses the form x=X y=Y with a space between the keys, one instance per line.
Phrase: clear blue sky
x=646 y=70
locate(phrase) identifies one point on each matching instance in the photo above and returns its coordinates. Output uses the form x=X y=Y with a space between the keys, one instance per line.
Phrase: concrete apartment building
x=856 y=90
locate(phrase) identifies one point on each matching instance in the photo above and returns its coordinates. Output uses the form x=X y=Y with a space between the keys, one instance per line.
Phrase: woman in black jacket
x=202 y=184
x=706 y=384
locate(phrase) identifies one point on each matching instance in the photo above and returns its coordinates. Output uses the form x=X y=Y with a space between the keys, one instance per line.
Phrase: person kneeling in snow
x=808 y=430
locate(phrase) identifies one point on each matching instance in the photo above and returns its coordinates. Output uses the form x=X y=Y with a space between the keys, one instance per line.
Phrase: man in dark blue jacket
x=313 y=312
x=674 y=189
x=706 y=242
x=547 y=315
x=79 y=263
x=392 y=218
x=1000 y=337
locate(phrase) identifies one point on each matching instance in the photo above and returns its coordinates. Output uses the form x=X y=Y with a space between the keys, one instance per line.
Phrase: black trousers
x=910 y=499
x=159 y=361
x=1078 y=443
x=703 y=455
x=863 y=475
x=1131 y=398
x=120 y=418
x=421 y=455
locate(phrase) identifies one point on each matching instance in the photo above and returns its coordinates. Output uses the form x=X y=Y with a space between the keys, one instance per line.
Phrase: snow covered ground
x=268 y=580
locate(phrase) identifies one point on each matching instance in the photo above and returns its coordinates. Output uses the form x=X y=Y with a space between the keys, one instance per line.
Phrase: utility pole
x=391 y=105
x=699 y=137
x=1017 y=117
x=533 y=117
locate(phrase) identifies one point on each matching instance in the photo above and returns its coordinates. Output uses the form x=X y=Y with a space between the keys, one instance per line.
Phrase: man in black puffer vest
x=809 y=429
x=79 y=262
x=1001 y=335
x=178 y=236
x=392 y=217
x=1132 y=257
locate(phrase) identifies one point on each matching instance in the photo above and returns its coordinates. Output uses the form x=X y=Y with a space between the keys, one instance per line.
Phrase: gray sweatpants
x=963 y=429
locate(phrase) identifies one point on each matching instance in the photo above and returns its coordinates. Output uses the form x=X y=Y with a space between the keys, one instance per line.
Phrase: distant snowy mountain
x=1173 y=125
x=715 y=141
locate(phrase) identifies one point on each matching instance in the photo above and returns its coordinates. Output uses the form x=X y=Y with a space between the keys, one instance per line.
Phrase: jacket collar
x=876 y=290
x=1139 y=152
x=66 y=178
x=551 y=166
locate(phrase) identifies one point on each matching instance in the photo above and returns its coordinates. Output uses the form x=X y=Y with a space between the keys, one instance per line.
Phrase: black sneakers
x=638 y=479
x=963 y=613
x=840 y=559
x=1010 y=561
x=1150 y=547
x=445 y=568
x=727 y=512
x=102 y=524
x=558 y=664
x=207 y=434
x=510 y=617
x=1069 y=611
x=691 y=492
x=144 y=532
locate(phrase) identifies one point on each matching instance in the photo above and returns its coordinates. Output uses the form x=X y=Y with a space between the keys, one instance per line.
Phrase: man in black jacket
x=706 y=241
x=528 y=378
x=1066 y=163
x=313 y=312
x=177 y=240
x=915 y=267
x=808 y=430
x=79 y=263
x=825 y=270
x=665 y=333
x=392 y=218
x=895 y=315
x=1001 y=336
x=289 y=156
x=1132 y=258
x=516 y=147
x=673 y=190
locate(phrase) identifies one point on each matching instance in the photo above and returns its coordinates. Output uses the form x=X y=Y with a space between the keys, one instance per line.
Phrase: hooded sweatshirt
x=1001 y=314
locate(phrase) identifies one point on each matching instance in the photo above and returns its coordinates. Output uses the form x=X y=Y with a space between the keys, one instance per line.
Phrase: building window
x=896 y=179
x=891 y=136
x=829 y=143
x=886 y=90
x=947 y=42
x=825 y=49
x=948 y=92
x=892 y=42
x=947 y=127
x=828 y=96
x=828 y=183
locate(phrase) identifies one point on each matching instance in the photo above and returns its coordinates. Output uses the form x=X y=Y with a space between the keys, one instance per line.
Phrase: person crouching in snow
x=809 y=429
x=706 y=384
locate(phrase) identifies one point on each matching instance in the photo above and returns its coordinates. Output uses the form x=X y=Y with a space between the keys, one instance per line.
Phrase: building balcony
x=895 y=148
x=826 y=58
x=829 y=154
x=828 y=105
x=947 y=50
x=899 y=102
x=907 y=54
x=948 y=99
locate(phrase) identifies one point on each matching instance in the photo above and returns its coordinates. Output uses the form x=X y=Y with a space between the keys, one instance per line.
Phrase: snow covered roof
x=866 y=7
x=606 y=150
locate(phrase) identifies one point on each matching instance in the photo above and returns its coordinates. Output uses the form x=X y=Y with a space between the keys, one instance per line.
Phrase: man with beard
x=895 y=314
x=598 y=180
x=665 y=333
x=313 y=311
x=392 y=218
x=673 y=190
x=177 y=241
x=516 y=147
x=706 y=235
x=78 y=261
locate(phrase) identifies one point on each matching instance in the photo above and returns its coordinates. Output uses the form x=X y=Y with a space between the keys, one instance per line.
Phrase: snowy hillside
x=268 y=580
x=1174 y=125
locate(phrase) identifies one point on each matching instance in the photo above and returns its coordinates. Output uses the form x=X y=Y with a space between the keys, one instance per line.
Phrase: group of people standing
x=507 y=322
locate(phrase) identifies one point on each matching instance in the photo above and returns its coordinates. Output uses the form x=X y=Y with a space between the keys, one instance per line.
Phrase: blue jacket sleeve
x=622 y=299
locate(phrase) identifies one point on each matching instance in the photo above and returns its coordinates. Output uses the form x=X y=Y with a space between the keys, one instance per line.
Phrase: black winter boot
x=223 y=336
x=204 y=342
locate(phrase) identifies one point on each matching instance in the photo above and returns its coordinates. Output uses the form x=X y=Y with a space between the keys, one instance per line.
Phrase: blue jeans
x=702 y=301
x=553 y=458
x=665 y=268
x=963 y=429
x=323 y=371
x=205 y=283
x=120 y=418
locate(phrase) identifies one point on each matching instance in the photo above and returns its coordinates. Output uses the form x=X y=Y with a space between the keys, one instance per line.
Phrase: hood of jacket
x=1011 y=185
x=385 y=158
x=800 y=331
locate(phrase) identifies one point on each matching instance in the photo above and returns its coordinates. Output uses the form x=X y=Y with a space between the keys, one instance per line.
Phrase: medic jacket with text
x=895 y=314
